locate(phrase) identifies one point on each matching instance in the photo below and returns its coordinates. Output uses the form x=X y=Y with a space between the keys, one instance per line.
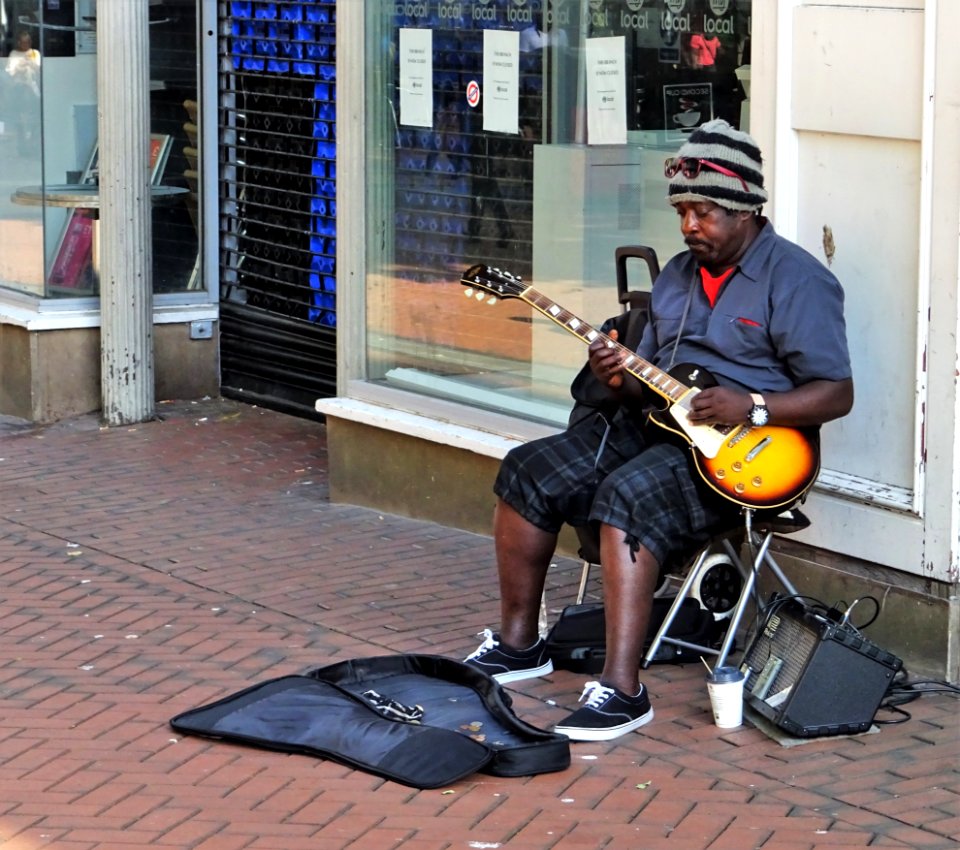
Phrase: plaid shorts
x=595 y=472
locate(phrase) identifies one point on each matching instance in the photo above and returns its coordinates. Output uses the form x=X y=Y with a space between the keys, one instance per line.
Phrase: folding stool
x=755 y=536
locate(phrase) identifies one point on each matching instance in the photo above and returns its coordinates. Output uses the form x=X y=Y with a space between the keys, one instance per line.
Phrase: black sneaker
x=609 y=713
x=510 y=665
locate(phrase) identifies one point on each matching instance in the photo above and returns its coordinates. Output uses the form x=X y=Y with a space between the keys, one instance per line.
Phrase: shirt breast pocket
x=741 y=336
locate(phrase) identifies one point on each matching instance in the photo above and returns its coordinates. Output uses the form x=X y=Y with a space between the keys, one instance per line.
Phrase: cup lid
x=720 y=675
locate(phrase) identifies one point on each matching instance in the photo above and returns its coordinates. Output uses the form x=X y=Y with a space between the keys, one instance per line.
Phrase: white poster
x=606 y=91
x=86 y=18
x=501 y=81
x=416 y=77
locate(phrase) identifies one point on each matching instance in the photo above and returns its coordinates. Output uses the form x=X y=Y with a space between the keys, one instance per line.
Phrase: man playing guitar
x=755 y=311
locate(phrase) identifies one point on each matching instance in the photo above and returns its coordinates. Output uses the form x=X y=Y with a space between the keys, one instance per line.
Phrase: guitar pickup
x=759 y=447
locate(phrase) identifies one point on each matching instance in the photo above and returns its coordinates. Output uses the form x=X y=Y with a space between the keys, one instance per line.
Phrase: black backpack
x=589 y=395
x=577 y=641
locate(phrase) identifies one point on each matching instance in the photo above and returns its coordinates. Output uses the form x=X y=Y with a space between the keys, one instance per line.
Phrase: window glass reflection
x=545 y=201
x=21 y=227
x=50 y=151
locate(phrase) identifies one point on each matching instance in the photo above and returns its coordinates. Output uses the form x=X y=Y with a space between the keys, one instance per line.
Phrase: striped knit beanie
x=719 y=143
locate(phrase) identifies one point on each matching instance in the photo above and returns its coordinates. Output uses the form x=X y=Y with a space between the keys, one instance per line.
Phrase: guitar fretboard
x=659 y=381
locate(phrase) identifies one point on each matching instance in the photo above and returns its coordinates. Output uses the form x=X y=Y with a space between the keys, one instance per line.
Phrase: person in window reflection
x=702 y=51
x=760 y=314
x=23 y=68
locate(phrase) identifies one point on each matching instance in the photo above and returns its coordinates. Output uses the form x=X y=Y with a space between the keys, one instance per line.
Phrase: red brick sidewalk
x=151 y=569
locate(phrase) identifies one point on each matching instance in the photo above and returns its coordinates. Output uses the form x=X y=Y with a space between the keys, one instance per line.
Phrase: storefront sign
x=449 y=12
x=501 y=79
x=473 y=94
x=635 y=17
x=686 y=107
x=606 y=91
x=599 y=14
x=416 y=77
x=483 y=11
x=412 y=10
x=557 y=14
x=520 y=13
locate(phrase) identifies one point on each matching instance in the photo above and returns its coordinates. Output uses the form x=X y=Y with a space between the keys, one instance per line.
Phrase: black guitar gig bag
x=420 y=720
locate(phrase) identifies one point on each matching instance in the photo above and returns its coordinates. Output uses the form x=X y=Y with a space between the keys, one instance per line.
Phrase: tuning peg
x=480 y=296
x=468 y=292
x=492 y=299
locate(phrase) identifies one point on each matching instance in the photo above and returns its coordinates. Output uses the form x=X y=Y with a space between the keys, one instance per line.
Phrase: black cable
x=905 y=715
x=845 y=620
x=902 y=692
x=765 y=611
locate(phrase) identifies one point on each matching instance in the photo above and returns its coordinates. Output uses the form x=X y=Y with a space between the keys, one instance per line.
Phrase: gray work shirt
x=778 y=322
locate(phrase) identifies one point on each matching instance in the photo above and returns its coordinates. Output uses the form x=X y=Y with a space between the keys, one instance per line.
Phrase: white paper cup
x=725 y=686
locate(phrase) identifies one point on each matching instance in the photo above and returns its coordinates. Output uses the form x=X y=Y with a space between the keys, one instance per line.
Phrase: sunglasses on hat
x=690 y=167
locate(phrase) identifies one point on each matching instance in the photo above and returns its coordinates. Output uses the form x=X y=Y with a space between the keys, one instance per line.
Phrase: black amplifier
x=811 y=675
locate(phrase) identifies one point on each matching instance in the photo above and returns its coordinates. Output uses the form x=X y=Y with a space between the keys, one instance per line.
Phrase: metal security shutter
x=277 y=120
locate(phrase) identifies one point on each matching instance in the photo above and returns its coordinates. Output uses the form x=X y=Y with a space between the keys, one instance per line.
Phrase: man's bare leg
x=628 y=587
x=523 y=557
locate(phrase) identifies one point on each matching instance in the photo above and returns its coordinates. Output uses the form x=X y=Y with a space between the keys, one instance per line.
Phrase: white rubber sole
x=520 y=675
x=575 y=733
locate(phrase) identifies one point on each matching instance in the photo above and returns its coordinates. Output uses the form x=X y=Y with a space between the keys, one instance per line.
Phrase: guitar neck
x=656 y=379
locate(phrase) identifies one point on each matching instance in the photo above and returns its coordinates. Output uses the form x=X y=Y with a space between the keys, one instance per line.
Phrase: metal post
x=126 y=291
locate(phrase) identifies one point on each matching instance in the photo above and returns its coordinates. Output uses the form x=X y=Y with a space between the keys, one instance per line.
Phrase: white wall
x=853 y=99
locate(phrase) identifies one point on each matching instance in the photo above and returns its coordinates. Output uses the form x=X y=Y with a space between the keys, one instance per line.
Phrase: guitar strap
x=683 y=321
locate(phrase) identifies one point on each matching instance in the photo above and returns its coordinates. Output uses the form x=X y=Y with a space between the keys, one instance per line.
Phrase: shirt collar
x=755 y=257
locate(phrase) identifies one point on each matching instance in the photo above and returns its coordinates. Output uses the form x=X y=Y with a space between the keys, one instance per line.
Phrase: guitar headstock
x=485 y=279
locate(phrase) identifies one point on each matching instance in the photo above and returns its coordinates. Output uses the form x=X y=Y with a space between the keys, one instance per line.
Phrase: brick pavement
x=150 y=569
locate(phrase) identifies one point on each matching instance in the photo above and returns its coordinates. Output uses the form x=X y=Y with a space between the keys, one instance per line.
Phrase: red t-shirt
x=712 y=285
x=705 y=49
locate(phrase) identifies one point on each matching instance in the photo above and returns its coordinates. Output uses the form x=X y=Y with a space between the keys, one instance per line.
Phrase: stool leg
x=749 y=580
x=544 y=620
x=584 y=576
x=675 y=606
x=761 y=555
x=775 y=569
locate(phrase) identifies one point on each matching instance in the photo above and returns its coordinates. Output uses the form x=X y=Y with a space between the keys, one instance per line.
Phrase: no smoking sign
x=473 y=93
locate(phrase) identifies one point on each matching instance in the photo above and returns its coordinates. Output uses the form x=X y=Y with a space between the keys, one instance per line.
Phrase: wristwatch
x=758 y=415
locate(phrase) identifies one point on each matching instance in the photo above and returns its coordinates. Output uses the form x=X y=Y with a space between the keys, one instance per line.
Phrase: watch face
x=759 y=415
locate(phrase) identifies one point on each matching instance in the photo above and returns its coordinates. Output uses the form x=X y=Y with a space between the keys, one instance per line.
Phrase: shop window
x=49 y=150
x=510 y=171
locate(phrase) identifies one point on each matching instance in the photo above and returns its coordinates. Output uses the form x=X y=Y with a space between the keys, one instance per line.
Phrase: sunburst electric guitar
x=760 y=468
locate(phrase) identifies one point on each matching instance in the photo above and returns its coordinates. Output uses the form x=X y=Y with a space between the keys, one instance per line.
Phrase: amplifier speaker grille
x=812 y=676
